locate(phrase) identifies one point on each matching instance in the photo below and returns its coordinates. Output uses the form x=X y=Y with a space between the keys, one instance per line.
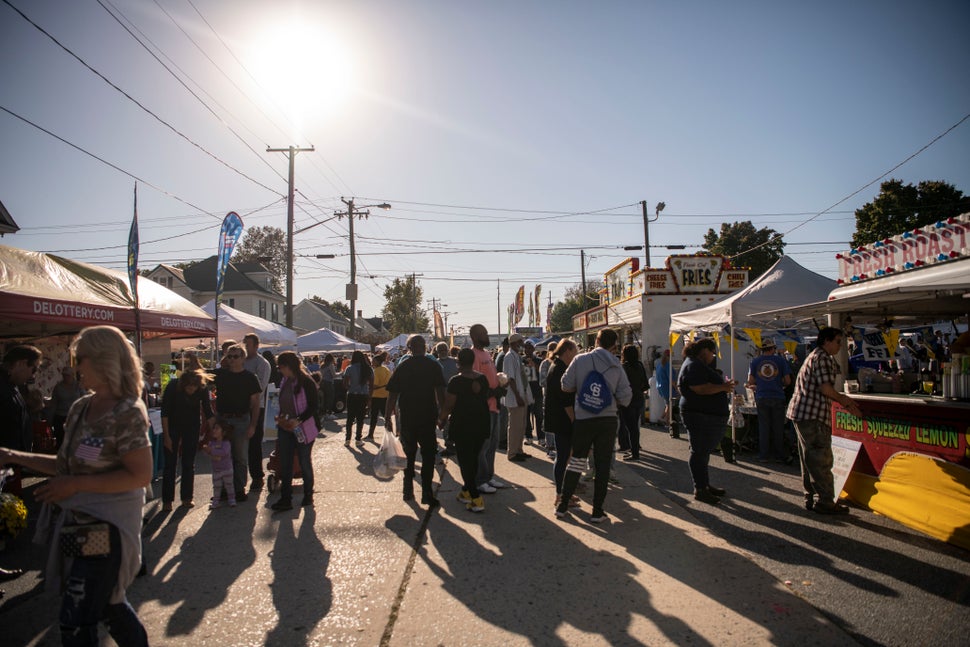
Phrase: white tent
x=786 y=284
x=325 y=340
x=399 y=343
x=235 y=324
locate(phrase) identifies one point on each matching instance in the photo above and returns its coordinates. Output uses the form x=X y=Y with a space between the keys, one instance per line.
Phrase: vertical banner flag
x=232 y=226
x=133 y=251
x=538 y=305
x=549 y=317
x=439 y=326
x=532 y=312
x=519 y=305
x=511 y=313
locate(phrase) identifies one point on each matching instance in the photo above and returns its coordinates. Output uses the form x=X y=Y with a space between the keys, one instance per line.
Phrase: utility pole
x=291 y=151
x=498 y=304
x=582 y=267
x=646 y=230
x=351 y=294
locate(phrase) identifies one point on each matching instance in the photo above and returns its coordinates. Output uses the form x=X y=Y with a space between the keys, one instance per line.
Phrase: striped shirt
x=808 y=403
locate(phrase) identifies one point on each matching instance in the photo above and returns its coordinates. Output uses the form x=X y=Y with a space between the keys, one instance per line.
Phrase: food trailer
x=913 y=460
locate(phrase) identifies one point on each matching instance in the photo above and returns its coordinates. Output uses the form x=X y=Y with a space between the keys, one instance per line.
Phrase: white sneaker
x=497 y=484
x=487 y=489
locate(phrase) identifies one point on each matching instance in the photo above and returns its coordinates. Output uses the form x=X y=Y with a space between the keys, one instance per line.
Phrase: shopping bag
x=390 y=458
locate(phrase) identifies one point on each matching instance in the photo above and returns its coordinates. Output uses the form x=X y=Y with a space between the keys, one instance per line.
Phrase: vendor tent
x=43 y=294
x=399 y=343
x=326 y=340
x=786 y=283
x=235 y=324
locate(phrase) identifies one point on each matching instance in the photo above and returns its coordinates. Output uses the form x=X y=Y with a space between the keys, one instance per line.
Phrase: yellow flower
x=13 y=515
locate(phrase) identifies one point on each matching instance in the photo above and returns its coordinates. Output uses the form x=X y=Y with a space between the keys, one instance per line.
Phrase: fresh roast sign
x=944 y=241
x=688 y=274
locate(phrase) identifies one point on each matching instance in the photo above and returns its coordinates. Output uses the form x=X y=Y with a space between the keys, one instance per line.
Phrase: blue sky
x=487 y=126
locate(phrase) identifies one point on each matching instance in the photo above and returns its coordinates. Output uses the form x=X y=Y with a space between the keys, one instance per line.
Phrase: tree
x=339 y=307
x=901 y=207
x=736 y=239
x=572 y=304
x=402 y=311
x=266 y=245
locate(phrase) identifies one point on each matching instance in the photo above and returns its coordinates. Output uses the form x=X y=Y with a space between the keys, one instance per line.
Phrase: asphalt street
x=363 y=567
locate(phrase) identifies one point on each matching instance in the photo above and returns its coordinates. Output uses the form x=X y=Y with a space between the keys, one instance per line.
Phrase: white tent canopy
x=786 y=284
x=325 y=340
x=235 y=324
x=399 y=343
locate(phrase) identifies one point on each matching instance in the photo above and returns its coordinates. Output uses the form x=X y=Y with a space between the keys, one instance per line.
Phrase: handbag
x=86 y=540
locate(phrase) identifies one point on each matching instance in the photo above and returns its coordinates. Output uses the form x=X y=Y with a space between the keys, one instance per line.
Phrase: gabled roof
x=377 y=322
x=328 y=312
x=7 y=224
x=171 y=269
x=201 y=277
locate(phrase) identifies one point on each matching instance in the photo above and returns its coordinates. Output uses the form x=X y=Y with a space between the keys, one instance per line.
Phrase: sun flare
x=306 y=70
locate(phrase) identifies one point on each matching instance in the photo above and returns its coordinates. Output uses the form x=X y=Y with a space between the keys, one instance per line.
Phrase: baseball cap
x=514 y=337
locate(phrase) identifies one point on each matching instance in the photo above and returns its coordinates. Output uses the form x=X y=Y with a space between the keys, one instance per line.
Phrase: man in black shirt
x=238 y=399
x=418 y=386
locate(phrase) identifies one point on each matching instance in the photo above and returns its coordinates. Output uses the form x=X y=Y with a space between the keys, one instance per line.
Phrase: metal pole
x=646 y=232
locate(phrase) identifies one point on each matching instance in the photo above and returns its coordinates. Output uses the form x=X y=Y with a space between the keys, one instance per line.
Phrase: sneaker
x=631 y=458
x=598 y=516
x=561 y=513
x=705 y=496
x=476 y=505
x=716 y=491
x=359 y=442
x=188 y=503
x=831 y=508
x=307 y=501
x=282 y=504
x=232 y=504
x=487 y=488
x=497 y=484
x=215 y=503
x=347 y=443
x=167 y=506
x=809 y=501
x=464 y=496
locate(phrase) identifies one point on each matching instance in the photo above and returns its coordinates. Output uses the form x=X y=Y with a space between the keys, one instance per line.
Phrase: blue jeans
x=85 y=602
x=771 y=428
x=704 y=432
x=240 y=452
x=486 y=457
x=287 y=447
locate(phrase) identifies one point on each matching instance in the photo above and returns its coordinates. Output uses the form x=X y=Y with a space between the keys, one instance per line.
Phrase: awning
x=43 y=294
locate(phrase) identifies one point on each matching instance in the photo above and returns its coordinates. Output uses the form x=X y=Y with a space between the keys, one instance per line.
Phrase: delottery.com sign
x=886 y=429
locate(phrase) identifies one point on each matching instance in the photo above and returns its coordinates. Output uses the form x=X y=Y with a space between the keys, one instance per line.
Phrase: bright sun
x=306 y=69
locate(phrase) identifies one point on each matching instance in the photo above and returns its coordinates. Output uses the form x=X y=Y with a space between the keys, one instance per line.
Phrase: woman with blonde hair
x=98 y=483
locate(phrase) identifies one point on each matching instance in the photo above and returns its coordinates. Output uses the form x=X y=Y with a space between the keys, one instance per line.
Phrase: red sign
x=888 y=427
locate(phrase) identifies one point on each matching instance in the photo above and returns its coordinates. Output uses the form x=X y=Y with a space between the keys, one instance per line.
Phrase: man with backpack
x=600 y=384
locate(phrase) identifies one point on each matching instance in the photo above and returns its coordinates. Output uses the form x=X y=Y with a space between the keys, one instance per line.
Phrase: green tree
x=339 y=307
x=572 y=304
x=900 y=207
x=266 y=245
x=758 y=249
x=402 y=311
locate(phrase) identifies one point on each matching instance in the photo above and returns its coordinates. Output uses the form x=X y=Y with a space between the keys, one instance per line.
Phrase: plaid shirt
x=808 y=403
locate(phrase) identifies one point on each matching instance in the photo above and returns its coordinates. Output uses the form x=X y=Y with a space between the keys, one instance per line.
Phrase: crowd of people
x=583 y=408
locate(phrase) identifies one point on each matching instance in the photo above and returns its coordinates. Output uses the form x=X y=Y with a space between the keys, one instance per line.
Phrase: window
x=168 y=282
x=262 y=308
x=275 y=309
x=230 y=302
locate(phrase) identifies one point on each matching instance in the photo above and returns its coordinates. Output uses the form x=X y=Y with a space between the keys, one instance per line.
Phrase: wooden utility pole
x=291 y=151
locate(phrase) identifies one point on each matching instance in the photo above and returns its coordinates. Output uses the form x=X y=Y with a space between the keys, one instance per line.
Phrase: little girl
x=220 y=451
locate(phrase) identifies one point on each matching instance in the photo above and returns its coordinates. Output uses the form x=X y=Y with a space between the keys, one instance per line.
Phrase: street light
x=352 y=286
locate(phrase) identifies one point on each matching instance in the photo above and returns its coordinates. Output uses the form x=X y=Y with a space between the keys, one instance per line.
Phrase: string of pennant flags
x=881 y=344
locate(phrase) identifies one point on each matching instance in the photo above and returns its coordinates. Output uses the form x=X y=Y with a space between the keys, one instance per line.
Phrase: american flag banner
x=89 y=449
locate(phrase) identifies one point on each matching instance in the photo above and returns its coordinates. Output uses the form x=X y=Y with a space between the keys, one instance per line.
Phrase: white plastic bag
x=390 y=458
